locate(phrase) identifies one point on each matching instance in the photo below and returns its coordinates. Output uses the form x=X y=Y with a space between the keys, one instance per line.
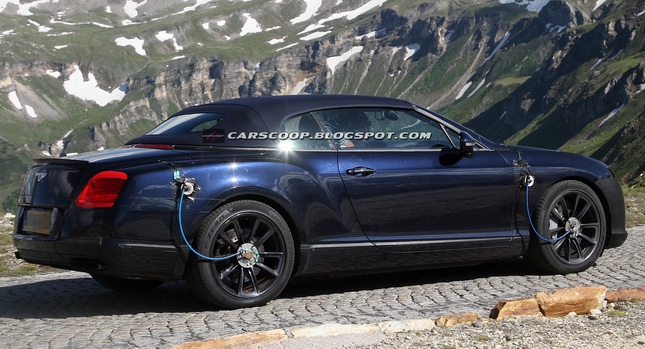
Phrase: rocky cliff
x=556 y=74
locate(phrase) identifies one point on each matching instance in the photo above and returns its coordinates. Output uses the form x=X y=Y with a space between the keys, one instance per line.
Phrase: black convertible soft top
x=262 y=114
x=275 y=109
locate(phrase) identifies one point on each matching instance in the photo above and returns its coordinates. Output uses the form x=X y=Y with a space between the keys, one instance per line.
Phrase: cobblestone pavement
x=69 y=310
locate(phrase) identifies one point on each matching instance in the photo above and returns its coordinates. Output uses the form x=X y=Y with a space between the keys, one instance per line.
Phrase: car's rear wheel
x=571 y=215
x=261 y=270
x=125 y=285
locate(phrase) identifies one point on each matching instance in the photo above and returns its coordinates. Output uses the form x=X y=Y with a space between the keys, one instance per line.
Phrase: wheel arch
x=603 y=200
x=282 y=208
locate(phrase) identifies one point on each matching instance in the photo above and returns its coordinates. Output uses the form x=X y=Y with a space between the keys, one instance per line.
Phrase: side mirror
x=466 y=145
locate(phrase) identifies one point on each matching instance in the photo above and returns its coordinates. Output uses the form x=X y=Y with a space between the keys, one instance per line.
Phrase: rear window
x=188 y=123
x=221 y=125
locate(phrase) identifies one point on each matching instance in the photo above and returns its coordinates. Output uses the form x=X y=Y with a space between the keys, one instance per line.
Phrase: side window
x=302 y=130
x=377 y=128
x=454 y=136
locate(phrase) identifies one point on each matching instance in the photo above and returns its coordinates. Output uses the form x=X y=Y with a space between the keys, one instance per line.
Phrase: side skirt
x=366 y=256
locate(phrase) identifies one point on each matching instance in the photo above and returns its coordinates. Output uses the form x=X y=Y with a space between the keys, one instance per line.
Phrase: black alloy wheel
x=263 y=266
x=571 y=215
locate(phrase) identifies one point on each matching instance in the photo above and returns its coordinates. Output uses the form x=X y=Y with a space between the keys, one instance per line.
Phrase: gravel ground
x=68 y=310
x=622 y=326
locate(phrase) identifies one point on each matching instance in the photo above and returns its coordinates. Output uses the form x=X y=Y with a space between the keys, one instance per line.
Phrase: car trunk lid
x=54 y=182
x=51 y=182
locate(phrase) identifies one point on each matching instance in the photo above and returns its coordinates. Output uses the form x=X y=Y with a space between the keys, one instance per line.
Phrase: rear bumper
x=616 y=239
x=124 y=259
x=615 y=204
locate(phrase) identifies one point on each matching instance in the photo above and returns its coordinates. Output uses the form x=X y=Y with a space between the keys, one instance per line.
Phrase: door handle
x=361 y=171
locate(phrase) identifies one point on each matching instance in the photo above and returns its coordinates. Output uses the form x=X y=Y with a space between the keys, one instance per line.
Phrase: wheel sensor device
x=524 y=179
x=188 y=187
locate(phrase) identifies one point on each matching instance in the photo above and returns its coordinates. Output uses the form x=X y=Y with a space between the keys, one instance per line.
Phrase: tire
x=571 y=209
x=125 y=285
x=238 y=282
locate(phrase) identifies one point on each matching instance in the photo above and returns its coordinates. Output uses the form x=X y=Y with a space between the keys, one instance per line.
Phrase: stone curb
x=558 y=303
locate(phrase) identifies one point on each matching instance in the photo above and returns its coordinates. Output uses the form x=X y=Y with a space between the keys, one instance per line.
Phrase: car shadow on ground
x=327 y=284
x=82 y=297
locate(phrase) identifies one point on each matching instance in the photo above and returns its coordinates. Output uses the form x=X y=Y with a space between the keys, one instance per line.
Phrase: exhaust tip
x=87 y=264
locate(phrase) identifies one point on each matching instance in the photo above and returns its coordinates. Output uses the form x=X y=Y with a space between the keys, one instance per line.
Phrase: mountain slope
x=81 y=76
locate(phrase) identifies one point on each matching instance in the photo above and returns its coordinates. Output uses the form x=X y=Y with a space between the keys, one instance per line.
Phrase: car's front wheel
x=571 y=223
x=263 y=266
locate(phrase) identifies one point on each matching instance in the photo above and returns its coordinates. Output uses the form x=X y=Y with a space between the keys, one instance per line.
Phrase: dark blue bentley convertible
x=238 y=196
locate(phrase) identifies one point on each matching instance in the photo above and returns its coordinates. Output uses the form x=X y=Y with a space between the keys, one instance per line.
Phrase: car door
x=411 y=188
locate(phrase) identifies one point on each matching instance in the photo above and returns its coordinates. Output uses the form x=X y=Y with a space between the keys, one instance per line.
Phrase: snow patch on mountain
x=530 y=5
x=194 y=7
x=41 y=28
x=501 y=43
x=333 y=62
x=374 y=34
x=61 y=142
x=250 y=26
x=23 y=9
x=54 y=74
x=354 y=13
x=477 y=88
x=552 y=27
x=410 y=50
x=276 y=41
x=315 y=35
x=130 y=8
x=13 y=98
x=30 y=111
x=6 y=32
x=90 y=91
x=300 y=86
x=611 y=115
x=135 y=42
x=163 y=36
x=53 y=21
x=312 y=8
x=61 y=34
x=463 y=90
x=448 y=36
x=311 y=27
x=600 y=61
x=598 y=4
x=368 y=35
x=286 y=47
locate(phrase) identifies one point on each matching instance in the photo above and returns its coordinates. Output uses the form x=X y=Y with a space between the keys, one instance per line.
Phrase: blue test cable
x=528 y=213
x=183 y=235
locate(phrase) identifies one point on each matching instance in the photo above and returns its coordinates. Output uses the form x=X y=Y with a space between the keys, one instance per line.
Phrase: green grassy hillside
x=506 y=72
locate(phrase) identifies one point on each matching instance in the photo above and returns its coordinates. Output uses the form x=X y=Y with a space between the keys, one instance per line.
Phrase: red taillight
x=153 y=146
x=102 y=190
